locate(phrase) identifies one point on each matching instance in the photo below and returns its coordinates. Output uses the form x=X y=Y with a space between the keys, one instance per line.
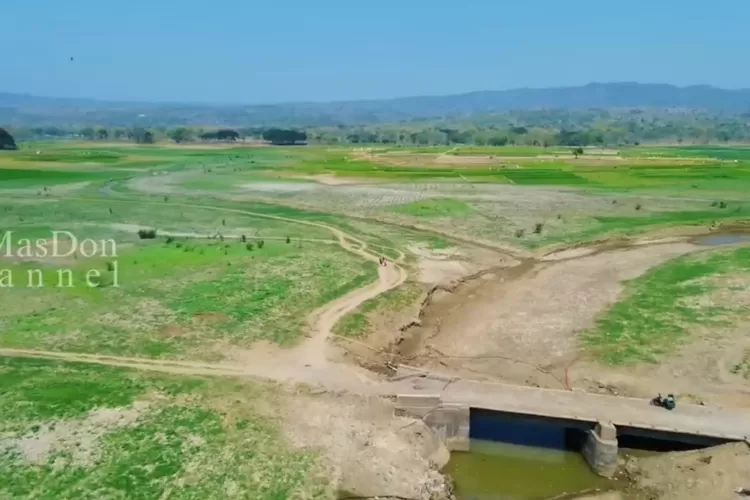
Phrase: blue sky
x=292 y=50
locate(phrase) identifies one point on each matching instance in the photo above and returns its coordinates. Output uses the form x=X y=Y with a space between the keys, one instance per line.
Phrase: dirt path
x=518 y=327
x=306 y=362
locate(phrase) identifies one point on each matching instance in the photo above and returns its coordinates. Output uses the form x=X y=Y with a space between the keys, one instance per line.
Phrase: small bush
x=249 y=247
x=147 y=234
x=538 y=228
x=110 y=266
x=520 y=233
x=170 y=239
x=243 y=238
x=261 y=243
x=288 y=239
x=722 y=204
x=638 y=206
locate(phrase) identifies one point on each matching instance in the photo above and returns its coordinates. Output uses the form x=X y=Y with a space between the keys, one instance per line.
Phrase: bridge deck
x=581 y=406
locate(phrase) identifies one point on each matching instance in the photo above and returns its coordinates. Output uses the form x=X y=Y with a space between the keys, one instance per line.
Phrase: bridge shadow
x=566 y=434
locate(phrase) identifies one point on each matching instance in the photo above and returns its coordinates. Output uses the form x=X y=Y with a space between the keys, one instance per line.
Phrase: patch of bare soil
x=712 y=473
x=331 y=180
x=520 y=325
x=369 y=451
x=171 y=331
x=211 y=318
x=442 y=266
x=79 y=438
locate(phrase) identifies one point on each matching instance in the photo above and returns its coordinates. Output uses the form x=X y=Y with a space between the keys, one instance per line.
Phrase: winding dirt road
x=308 y=363
x=304 y=363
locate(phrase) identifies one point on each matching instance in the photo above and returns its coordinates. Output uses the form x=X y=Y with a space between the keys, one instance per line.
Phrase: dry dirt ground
x=713 y=473
x=601 y=158
x=369 y=451
x=519 y=324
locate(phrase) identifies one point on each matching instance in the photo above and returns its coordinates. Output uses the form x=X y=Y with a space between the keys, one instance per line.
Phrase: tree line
x=178 y=135
x=532 y=128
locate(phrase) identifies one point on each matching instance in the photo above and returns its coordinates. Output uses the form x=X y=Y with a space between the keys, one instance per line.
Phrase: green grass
x=655 y=315
x=167 y=291
x=610 y=226
x=434 y=207
x=192 y=437
x=26 y=178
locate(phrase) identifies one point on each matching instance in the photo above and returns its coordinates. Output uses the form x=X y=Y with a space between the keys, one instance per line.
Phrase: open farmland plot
x=177 y=296
x=263 y=265
x=74 y=431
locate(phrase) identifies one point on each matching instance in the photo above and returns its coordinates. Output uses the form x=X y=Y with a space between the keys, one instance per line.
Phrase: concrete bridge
x=445 y=404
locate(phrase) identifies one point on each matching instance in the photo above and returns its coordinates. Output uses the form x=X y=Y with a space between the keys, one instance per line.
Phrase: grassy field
x=71 y=431
x=177 y=296
x=619 y=192
x=217 y=278
x=659 y=308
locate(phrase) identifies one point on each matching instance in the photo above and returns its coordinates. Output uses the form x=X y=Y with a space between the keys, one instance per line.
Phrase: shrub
x=538 y=228
x=520 y=233
x=249 y=246
x=638 y=206
x=147 y=234
x=261 y=243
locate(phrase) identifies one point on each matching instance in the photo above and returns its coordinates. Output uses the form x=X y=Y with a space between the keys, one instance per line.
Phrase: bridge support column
x=600 y=449
x=450 y=422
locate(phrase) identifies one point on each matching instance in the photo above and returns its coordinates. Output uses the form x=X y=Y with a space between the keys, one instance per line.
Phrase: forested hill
x=20 y=110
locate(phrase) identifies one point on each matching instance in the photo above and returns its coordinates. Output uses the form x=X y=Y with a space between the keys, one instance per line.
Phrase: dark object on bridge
x=6 y=140
x=669 y=402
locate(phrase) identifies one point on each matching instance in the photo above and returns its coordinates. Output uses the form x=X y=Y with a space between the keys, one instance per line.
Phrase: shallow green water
x=496 y=471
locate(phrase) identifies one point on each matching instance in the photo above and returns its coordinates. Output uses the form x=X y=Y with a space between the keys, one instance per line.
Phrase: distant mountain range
x=21 y=109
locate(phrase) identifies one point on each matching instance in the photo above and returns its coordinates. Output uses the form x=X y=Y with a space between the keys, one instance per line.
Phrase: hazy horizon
x=336 y=51
x=363 y=99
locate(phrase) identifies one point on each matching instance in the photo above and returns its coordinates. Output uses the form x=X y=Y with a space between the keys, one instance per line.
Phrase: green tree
x=180 y=134
x=87 y=133
x=6 y=140
x=143 y=136
x=102 y=134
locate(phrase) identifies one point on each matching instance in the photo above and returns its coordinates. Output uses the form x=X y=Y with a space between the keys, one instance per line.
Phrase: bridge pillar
x=600 y=449
x=450 y=422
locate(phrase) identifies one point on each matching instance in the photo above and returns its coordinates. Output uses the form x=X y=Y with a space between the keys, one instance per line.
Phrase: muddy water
x=495 y=470
x=722 y=239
